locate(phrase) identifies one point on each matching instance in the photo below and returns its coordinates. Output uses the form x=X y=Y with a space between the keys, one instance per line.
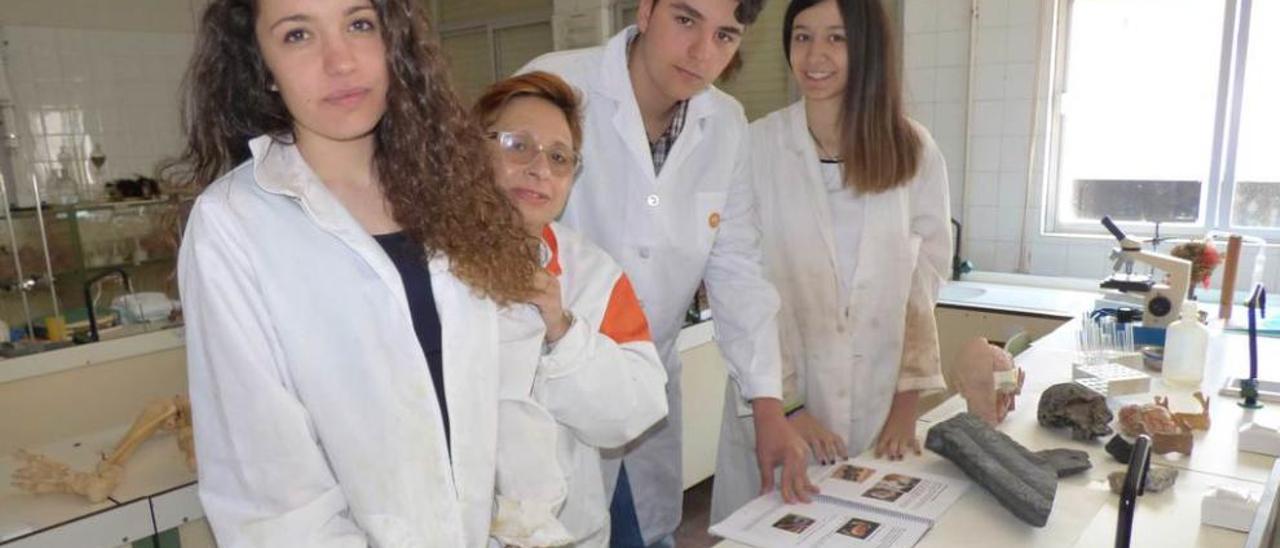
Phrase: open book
x=863 y=503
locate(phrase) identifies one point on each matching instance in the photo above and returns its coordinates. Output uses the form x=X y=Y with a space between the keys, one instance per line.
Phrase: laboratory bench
x=73 y=405
x=1085 y=512
x=158 y=493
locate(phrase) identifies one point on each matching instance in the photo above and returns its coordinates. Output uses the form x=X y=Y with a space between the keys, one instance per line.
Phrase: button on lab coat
x=844 y=360
x=670 y=231
x=316 y=423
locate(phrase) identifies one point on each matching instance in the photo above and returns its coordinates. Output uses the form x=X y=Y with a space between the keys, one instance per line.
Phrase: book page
x=889 y=486
x=768 y=522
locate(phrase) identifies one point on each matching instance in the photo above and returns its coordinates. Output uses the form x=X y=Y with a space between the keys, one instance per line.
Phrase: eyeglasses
x=520 y=148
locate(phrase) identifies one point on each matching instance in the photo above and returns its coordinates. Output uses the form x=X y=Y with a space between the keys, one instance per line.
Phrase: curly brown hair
x=430 y=156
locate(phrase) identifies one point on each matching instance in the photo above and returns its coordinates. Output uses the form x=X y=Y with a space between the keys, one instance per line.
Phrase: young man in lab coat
x=664 y=188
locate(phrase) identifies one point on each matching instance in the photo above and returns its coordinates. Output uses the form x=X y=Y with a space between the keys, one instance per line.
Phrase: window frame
x=1219 y=187
x=491 y=28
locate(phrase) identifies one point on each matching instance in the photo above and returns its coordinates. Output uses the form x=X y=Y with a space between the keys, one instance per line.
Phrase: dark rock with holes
x=1069 y=404
x=1067 y=462
x=1120 y=449
x=1021 y=481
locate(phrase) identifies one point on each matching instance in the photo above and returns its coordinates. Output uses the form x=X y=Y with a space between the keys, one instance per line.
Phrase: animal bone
x=40 y=474
x=1193 y=421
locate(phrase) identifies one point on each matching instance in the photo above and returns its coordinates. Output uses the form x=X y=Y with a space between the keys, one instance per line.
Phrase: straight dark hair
x=880 y=149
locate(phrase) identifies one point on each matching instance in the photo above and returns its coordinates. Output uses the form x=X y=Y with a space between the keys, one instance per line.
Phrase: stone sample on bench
x=1070 y=404
x=1066 y=462
x=1021 y=481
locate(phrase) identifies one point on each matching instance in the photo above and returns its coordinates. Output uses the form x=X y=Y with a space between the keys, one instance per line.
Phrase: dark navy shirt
x=410 y=259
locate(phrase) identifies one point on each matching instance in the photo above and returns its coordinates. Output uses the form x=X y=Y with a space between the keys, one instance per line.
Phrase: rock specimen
x=1066 y=462
x=1069 y=404
x=1024 y=483
x=1120 y=449
x=1168 y=434
x=1158 y=479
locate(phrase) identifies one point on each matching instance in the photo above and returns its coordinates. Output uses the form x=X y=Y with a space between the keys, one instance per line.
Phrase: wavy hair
x=881 y=150
x=430 y=156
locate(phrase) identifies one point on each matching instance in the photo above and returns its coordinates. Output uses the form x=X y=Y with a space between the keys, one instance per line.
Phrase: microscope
x=1161 y=302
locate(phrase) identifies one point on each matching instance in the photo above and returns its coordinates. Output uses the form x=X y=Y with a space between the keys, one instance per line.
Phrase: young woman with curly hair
x=342 y=273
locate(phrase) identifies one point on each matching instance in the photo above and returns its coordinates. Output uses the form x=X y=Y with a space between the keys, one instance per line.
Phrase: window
x=1160 y=114
x=486 y=40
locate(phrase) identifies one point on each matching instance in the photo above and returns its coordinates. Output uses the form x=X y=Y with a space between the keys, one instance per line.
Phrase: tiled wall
x=77 y=87
x=936 y=65
x=996 y=161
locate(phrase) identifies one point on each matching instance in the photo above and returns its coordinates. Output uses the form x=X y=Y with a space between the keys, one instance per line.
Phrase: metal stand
x=1249 y=391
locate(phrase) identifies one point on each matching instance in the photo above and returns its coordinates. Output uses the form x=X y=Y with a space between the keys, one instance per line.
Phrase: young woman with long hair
x=342 y=273
x=847 y=173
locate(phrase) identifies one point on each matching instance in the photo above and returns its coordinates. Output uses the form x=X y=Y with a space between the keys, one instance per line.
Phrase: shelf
x=61 y=212
x=76 y=273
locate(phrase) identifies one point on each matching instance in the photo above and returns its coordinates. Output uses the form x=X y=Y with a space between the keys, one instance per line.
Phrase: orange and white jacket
x=602 y=383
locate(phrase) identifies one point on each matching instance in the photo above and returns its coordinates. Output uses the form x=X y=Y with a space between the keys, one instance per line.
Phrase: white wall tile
x=994 y=13
x=922 y=112
x=981 y=252
x=1088 y=260
x=953 y=48
x=953 y=155
x=1007 y=257
x=1017 y=117
x=919 y=16
x=949 y=120
x=920 y=50
x=1013 y=189
x=988 y=82
x=1022 y=42
x=1009 y=224
x=980 y=222
x=988 y=118
x=1023 y=12
x=1019 y=81
x=984 y=154
x=1013 y=153
x=1048 y=259
x=992 y=45
x=983 y=189
x=921 y=83
x=951 y=14
x=952 y=84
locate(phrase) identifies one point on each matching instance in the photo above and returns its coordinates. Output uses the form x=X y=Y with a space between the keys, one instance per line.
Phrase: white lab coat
x=602 y=380
x=843 y=360
x=316 y=422
x=692 y=222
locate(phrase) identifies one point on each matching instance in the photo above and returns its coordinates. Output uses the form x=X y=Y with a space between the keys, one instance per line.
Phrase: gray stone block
x=1023 y=482
x=1066 y=462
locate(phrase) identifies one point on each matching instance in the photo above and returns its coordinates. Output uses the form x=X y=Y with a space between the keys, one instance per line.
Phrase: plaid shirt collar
x=662 y=146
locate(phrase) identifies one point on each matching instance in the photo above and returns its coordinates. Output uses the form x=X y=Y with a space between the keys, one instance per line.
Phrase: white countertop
x=1084 y=510
x=157 y=466
x=1052 y=301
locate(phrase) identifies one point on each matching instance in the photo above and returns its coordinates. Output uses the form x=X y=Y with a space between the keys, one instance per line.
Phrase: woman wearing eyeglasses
x=599 y=375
